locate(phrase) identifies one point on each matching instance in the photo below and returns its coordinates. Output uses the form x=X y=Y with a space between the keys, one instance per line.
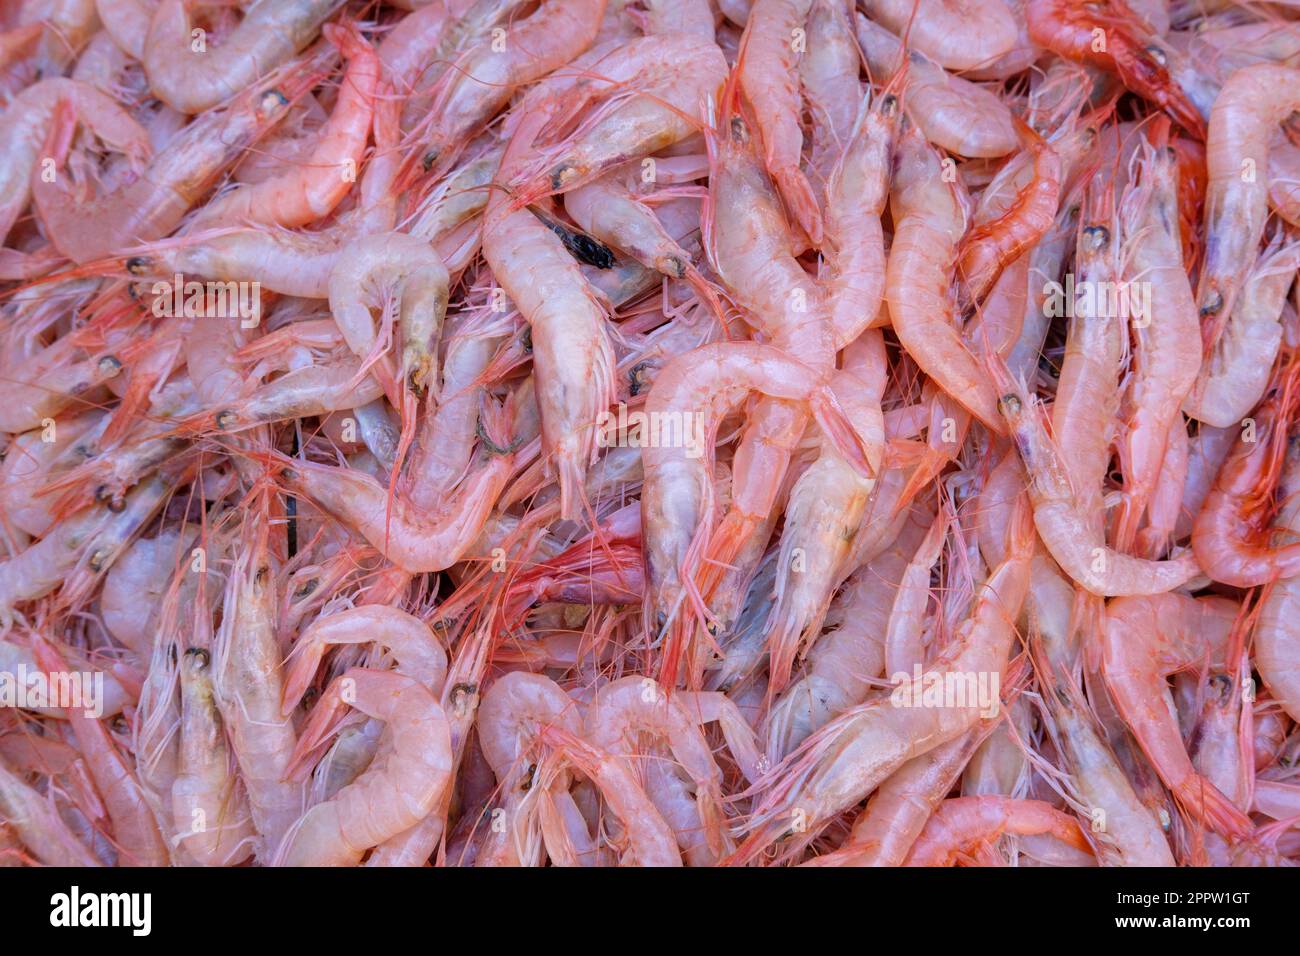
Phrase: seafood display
x=660 y=433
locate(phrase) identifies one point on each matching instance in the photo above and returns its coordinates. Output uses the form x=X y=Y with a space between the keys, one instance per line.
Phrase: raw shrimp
x=939 y=28
x=963 y=822
x=192 y=80
x=1277 y=644
x=1146 y=640
x=397 y=791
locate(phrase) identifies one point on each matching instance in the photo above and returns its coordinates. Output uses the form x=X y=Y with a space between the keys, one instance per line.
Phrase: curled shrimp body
x=153 y=205
x=1067 y=522
x=1248 y=109
x=955 y=114
x=419 y=653
x=1230 y=536
x=192 y=81
x=26 y=120
x=397 y=791
x=1147 y=639
x=928 y=221
x=962 y=823
x=636 y=708
x=1277 y=643
x=940 y=29
x=408 y=269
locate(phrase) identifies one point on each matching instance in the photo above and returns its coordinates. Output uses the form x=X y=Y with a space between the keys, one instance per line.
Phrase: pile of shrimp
x=650 y=432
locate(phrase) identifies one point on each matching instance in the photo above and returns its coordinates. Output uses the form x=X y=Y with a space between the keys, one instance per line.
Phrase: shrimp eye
x=309 y=698
x=562 y=175
x=638 y=378
x=262 y=574
x=739 y=131
x=97 y=560
x=225 y=418
x=1156 y=54
x=199 y=656
x=889 y=105
x=120 y=725
x=1097 y=236
x=1009 y=404
x=137 y=265
x=306 y=588
x=526 y=339
x=1213 y=303
x=272 y=100
x=110 y=365
x=430 y=158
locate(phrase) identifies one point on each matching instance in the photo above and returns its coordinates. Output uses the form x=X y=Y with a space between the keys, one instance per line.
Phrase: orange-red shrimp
x=1231 y=537
x=963 y=823
x=990 y=246
x=1146 y=640
x=1069 y=29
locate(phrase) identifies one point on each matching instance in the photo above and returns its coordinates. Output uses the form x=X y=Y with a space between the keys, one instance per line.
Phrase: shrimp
x=634 y=709
x=513 y=711
x=1230 y=536
x=1147 y=639
x=411 y=271
x=192 y=80
x=248 y=682
x=677 y=499
x=1276 y=642
x=308 y=193
x=396 y=792
x=938 y=29
x=828 y=73
x=1069 y=29
x=1167 y=354
x=483 y=78
x=419 y=653
x=849 y=757
x=38 y=824
x=216 y=829
x=26 y=120
x=1253 y=101
x=766 y=69
x=960 y=823
x=135 y=831
x=1067 y=521
x=1236 y=369
x=671 y=76
x=647 y=838
x=153 y=205
x=928 y=221
x=954 y=114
